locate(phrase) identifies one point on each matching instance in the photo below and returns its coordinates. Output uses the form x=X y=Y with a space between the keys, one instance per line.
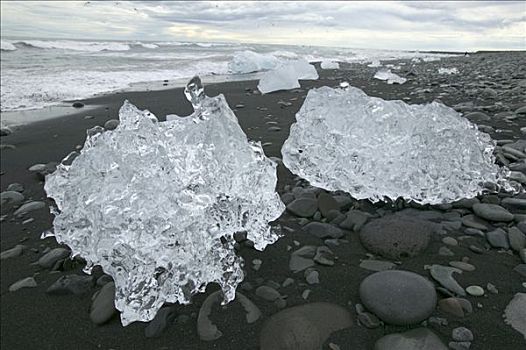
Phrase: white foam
x=90 y=46
x=7 y=45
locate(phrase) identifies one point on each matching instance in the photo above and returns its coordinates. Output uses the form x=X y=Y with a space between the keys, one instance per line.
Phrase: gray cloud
x=391 y=25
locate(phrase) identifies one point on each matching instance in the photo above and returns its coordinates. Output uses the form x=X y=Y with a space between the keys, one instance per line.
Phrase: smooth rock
x=71 y=284
x=498 y=239
x=520 y=269
x=376 y=265
x=302 y=258
x=517 y=239
x=50 y=258
x=461 y=334
x=13 y=252
x=474 y=222
x=29 y=207
x=398 y=297
x=462 y=265
x=450 y=241
x=475 y=291
x=455 y=306
x=312 y=276
x=28 y=282
x=303 y=207
x=267 y=293
x=326 y=203
x=324 y=256
x=15 y=186
x=103 y=307
x=445 y=251
x=415 y=339
x=303 y=327
x=323 y=230
x=354 y=220
x=444 y=276
x=396 y=237
x=457 y=345
x=13 y=197
x=111 y=124
x=515 y=313
x=164 y=317
x=492 y=212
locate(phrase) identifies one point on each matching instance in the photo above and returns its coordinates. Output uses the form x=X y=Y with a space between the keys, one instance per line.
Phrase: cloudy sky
x=371 y=24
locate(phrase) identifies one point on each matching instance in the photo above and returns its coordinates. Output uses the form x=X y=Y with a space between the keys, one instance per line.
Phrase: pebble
x=326 y=203
x=111 y=124
x=29 y=207
x=455 y=306
x=450 y=241
x=445 y=251
x=77 y=104
x=103 y=307
x=287 y=282
x=267 y=293
x=164 y=317
x=302 y=258
x=455 y=345
x=305 y=294
x=15 y=186
x=474 y=222
x=492 y=212
x=71 y=284
x=462 y=265
x=491 y=288
x=498 y=238
x=50 y=258
x=28 y=282
x=475 y=291
x=474 y=232
x=398 y=297
x=312 y=276
x=13 y=197
x=13 y=252
x=517 y=239
x=354 y=220
x=396 y=237
x=304 y=327
x=323 y=230
x=376 y=265
x=444 y=276
x=324 y=256
x=462 y=334
x=415 y=339
x=303 y=207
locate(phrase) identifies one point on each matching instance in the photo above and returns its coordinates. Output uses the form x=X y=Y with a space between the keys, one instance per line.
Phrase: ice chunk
x=286 y=76
x=249 y=61
x=372 y=148
x=156 y=204
x=453 y=70
x=375 y=64
x=391 y=78
x=330 y=65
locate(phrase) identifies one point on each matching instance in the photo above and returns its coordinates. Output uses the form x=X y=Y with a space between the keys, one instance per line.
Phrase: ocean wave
x=54 y=87
x=89 y=46
x=7 y=45
x=147 y=45
x=198 y=44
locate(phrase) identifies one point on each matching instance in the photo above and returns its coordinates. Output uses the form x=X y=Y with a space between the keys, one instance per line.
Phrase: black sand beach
x=491 y=83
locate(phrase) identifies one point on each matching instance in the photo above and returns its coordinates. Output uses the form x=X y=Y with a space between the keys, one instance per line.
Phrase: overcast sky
x=384 y=25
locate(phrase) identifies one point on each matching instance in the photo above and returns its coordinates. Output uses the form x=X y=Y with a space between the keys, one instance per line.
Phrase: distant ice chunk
x=389 y=77
x=375 y=64
x=453 y=70
x=286 y=76
x=330 y=65
x=156 y=204
x=7 y=46
x=372 y=148
x=249 y=62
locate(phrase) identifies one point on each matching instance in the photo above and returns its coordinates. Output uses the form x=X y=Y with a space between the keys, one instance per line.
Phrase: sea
x=36 y=73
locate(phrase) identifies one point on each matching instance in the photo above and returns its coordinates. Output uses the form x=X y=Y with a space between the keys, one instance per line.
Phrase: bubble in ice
x=373 y=148
x=156 y=204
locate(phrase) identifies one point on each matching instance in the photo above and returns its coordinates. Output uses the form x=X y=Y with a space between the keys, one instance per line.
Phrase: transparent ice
x=329 y=65
x=372 y=148
x=156 y=204
x=249 y=61
x=375 y=64
x=442 y=70
x=286 y=76
x=391 y=78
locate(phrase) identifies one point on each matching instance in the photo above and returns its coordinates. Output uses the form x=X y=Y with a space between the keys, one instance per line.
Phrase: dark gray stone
x=323 y=230
x=326 y=203
x=396 y=237
x=498 y=239
x=415 y=339
x=517 y=239
x=49 y=259
x=164 y=317
x=398 y=297
x=103 y=306
x=29 y=207
x=303 y=207
x=71 y=284
x=492 y=212
x=111 y=124
x=354 y=220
